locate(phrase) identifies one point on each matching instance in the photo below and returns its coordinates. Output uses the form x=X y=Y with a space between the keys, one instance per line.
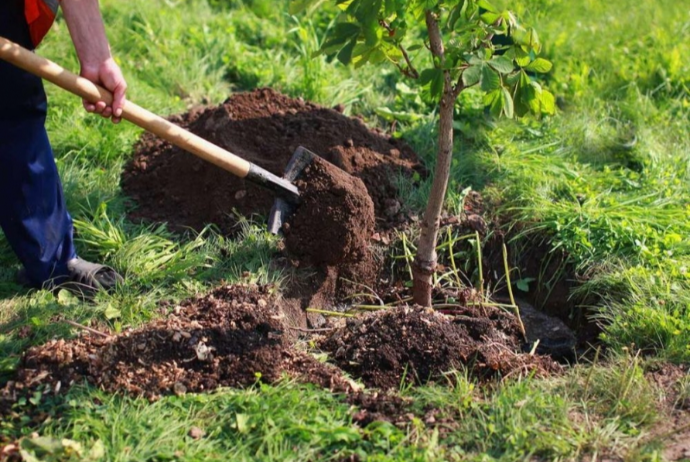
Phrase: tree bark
x=425 y=261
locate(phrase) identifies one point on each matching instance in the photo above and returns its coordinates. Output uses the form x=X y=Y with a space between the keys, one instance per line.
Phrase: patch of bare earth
x=673 y=431
x=231 y=337
x=416 y=345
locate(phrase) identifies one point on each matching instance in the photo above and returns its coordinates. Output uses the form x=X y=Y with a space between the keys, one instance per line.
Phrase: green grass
x=587 y=411
x=617 y=207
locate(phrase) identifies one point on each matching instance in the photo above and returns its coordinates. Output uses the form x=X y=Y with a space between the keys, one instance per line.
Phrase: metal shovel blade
x=282 y=208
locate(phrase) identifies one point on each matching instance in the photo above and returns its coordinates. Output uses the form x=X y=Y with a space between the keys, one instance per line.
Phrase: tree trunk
x=425 y=260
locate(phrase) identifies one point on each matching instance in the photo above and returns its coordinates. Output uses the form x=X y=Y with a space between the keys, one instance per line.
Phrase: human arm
x=85 y=24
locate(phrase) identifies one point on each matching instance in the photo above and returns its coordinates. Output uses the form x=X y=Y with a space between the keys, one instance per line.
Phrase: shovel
x=287 y=194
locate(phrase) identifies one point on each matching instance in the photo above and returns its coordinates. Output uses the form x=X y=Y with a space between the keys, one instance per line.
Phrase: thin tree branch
x=410 y=67
x=303 y=329
x=87 y=329
x=459 y=86
x=410 y=71
x=435 y=39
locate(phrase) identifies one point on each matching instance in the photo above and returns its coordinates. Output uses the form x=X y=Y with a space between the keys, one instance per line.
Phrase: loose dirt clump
x=335 y=220
x=232 y=337
x=415 y=345
x=264 y=127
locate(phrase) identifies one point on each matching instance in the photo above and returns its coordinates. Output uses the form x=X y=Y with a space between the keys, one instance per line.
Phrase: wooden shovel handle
x=48 y=70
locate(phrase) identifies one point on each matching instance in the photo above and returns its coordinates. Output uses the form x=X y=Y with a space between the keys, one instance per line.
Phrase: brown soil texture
x=264 y=127
x=416 y=345
x=232 y=337
x=335 y=220
x=673 y=431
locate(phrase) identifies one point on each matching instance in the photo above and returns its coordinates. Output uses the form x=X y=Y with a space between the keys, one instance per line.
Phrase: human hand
x=108 y=75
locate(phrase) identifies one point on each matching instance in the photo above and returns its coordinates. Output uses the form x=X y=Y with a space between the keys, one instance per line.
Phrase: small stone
x=392 y=207
x=179 y=389
x=240 y=194
x=348 y=143
x=262 y=303
x=394 y=153
x=196 y=433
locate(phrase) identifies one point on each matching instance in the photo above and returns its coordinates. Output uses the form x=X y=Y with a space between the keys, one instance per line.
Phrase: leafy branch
x=472 y=44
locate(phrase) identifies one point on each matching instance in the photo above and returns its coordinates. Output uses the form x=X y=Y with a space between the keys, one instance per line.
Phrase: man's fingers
x=89 y=107
x=107 y=112
x=119 y=99
x=100 y=107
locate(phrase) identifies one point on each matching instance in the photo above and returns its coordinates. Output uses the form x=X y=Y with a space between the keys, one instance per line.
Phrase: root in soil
x=415 y=345
x=264 y=127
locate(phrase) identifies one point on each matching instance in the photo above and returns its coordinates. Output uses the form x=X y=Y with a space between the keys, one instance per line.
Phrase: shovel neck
x=283 y=188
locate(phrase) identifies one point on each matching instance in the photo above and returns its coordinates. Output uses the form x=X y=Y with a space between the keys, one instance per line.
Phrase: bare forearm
x=85 y=24
x=86 y=27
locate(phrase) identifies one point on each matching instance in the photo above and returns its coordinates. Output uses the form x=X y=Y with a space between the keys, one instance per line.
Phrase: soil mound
x=333 y=224
x=415 y=345
x=232 y=337
x=264 y=127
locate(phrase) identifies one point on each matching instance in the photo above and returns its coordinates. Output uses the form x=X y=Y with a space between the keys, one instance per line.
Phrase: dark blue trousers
x=32 y=207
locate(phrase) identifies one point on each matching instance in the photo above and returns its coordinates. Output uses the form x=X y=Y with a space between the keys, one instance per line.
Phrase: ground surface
x=592 y=204
x=264 y=127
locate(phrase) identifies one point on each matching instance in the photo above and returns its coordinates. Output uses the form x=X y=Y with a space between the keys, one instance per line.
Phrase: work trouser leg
x=33 y=215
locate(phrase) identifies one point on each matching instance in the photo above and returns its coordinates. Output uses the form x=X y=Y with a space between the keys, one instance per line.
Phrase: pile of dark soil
x=333 y=224
x=415 y=345
x=232 y=337
x=264 y=127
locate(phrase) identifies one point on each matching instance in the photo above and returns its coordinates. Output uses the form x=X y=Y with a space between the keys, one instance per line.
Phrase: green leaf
x=493 y=101
x=534 y=42
x=455 y=14
x=548 y=102
x=345 y=54
x=487 y=6
x=427 y=76
x=471 y=76
x=414 y=48
x=390 y=116
x=242 y=423
x=523 y=284
x=368 y=11
x=390 y=7
x=97 y=451
x=522 y=58
x=490 y=79
x=540 y=65
x=533 y=95
x=490 y=18
x=436 y=88
x=65 y=297
x=111 y=312
x=298 y=6
x=372 y=33
x=342 y=33
x=36 y=398
x=346 y=30
x=502 y=64
x=507 y=103
x=427 y=4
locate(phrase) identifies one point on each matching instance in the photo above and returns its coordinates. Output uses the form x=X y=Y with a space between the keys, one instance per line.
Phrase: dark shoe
x=86 y=278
